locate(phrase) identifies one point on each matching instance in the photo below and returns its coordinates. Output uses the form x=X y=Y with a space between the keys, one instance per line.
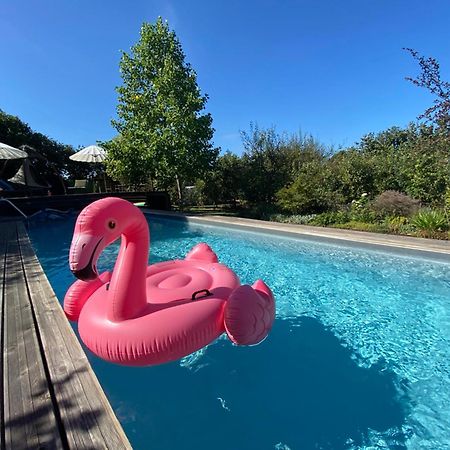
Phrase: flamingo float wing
x=78 y=294
x=249 y=313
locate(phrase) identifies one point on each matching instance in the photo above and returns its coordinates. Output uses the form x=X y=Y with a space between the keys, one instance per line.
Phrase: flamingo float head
x=98 y=225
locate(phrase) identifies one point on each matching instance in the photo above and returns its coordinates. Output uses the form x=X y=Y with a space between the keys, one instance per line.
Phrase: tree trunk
x=150 y=183
x=180 y=191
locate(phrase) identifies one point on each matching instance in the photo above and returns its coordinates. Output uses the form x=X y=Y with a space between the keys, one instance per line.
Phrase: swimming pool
x=359 y=356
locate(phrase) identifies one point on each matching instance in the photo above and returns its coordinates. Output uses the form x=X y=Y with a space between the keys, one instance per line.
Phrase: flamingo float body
x=144 y=315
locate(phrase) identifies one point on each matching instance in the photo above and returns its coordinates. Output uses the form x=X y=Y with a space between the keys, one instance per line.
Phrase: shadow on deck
x=50 y=397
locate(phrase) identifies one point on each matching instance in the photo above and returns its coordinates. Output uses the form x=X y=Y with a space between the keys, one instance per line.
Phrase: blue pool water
x=359 y=356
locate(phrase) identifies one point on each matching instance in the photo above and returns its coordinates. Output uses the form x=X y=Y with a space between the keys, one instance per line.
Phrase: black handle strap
x=205 y=293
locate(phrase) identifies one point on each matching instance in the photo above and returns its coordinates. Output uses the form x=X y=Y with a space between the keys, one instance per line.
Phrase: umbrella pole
x=3 y=168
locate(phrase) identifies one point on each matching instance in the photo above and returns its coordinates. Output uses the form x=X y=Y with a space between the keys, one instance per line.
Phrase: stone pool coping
x=413 y=246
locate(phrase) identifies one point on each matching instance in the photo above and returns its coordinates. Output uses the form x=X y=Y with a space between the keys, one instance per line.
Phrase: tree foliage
x=300 y=176
x=310 y=192
x=164 y=132
x=352 y=174
x=16 y=133
x=224 y=185
x=430 y=79
x=272 y=161
x=264 y=164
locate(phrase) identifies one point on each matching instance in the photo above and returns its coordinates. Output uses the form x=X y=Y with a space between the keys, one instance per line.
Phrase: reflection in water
x=300 y=387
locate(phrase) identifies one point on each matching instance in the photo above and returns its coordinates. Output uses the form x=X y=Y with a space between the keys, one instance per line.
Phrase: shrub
x=398 y=225
x=362 y=214
x=301 y=219
x=310 y=192
x=362 y=226
x=430 y=222
x=360 y=211
x=278 y=218
x=296 y=219
x=394 y=203
x=447 y=203
x=261 y=211
x=329 y=218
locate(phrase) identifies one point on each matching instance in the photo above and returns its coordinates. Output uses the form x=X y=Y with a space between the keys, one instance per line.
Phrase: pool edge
x=401 y=245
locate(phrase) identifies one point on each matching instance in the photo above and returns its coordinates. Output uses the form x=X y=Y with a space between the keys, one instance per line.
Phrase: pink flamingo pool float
x=142 y=315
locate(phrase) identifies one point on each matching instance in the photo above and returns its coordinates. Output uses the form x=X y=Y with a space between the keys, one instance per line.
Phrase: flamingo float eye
x=112 y=224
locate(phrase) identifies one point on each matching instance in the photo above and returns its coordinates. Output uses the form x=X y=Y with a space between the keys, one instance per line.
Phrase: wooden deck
x=50 y=397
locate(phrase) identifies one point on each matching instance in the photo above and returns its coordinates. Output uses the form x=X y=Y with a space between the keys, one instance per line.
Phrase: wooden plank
x=12 y=393
x=74 y=380
x=16 y=423
x=30 y=421
x=85 y=411
x=76 y=418
x=83 y=385
x=6 y=233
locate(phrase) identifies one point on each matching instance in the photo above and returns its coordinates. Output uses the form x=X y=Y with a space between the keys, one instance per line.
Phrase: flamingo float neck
x=129 y=273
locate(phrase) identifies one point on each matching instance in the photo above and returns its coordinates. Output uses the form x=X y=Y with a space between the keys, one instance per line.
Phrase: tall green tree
x=164 y=131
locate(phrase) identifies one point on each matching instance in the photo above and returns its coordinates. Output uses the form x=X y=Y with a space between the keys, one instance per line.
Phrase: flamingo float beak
x=84 y=252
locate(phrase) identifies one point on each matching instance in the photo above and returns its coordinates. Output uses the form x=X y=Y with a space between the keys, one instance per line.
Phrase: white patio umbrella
x=91 y=154
x=8 y=152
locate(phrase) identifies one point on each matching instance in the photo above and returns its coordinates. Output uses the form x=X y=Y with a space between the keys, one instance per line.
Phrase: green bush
x=430 y=222
x=261 y=211
x=310 y=192
x=362 y=226
x=360 y=210
x=294 y=219
x=364 y=214
x=283 y=218
x=329 y=218
x=398 y=225
x=301 y=219
x=447 y=203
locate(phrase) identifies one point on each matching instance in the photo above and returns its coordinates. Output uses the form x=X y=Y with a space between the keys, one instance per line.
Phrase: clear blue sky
x=334 y=69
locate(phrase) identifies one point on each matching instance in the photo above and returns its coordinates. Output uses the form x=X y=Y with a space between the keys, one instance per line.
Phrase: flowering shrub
x=360 y=211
